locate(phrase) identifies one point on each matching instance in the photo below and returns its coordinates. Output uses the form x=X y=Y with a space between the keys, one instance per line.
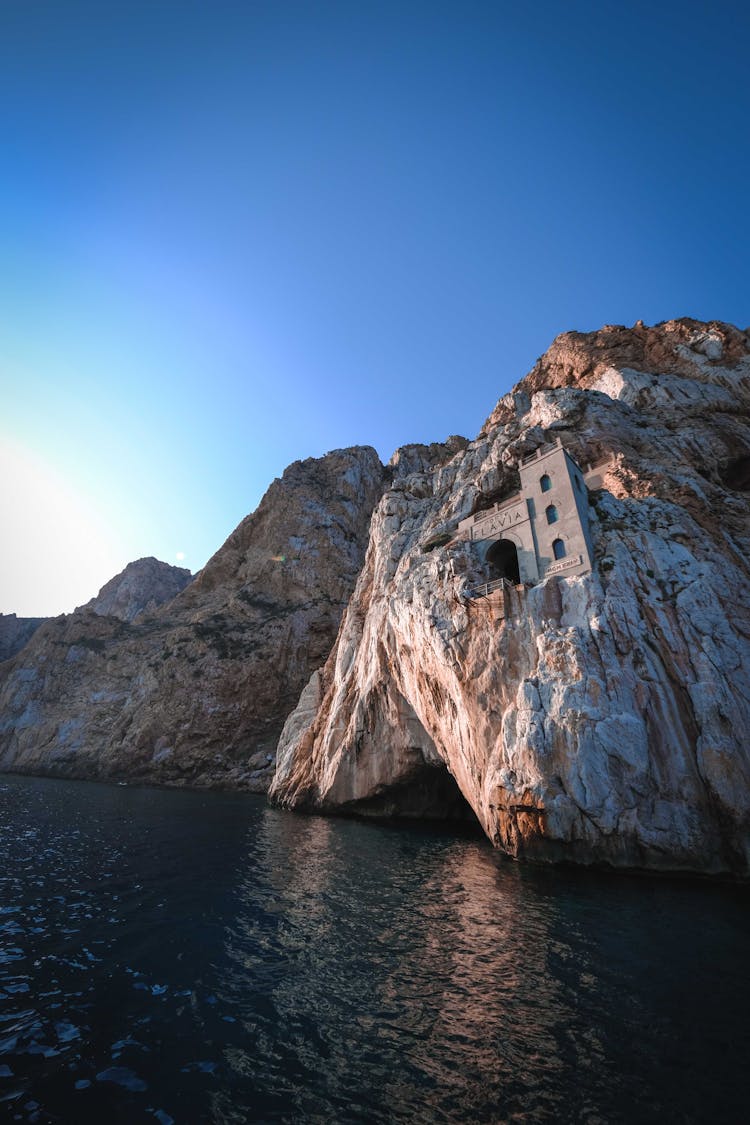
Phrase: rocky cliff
x=600 y=718
x=140 y=588
x=196 y=690
x=15 y=632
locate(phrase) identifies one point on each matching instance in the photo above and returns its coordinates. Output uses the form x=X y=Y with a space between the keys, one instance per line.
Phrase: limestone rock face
x=195 y=691
x=139 y=588
x=15 y=632
x=600 y=718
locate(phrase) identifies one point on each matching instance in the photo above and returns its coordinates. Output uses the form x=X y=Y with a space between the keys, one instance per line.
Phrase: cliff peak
x=141 y=587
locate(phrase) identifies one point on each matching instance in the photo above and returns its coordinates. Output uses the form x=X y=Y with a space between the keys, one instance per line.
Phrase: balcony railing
x=490 y=587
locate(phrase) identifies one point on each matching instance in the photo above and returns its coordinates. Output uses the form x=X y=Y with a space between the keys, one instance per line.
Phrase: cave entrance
x=502 y=559
x=430 y=793
x=736 y=475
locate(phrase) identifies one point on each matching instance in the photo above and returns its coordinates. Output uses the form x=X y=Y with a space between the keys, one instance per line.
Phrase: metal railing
x=489 y=587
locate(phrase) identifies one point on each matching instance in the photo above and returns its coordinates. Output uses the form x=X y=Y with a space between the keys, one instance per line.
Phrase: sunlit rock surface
x=602 y=718
x=195 y=691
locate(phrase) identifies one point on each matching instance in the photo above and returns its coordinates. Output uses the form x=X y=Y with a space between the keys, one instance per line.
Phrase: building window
x=545 y=483
x=552 y=514
x=558 y=549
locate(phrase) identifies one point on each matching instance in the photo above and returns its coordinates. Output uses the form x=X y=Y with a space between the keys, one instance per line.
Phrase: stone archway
x=502 y=560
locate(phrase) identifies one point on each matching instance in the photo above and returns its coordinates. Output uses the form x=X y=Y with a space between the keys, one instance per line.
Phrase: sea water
x=202 y=957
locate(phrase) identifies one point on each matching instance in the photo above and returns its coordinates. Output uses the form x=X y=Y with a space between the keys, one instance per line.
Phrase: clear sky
x=238 y=234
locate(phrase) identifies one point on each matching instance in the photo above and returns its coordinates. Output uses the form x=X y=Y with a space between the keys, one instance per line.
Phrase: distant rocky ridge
x=601 y=718
x=195 y=691
x=139 y=588
x=15 y=632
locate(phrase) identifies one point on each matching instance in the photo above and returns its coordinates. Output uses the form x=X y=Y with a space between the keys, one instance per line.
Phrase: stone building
x=541 y=530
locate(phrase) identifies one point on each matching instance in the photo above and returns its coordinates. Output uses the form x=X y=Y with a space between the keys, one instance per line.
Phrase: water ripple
x=179 y=957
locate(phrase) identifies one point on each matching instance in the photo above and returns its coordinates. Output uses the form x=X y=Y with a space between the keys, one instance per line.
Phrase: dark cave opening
x=502 y=560
x=430 y=794
x=736 y=475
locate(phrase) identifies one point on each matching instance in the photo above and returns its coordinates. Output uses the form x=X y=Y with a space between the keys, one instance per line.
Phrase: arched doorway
x=502 y=559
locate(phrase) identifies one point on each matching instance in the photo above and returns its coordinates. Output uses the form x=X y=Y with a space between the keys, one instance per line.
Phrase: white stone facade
x=547 y=521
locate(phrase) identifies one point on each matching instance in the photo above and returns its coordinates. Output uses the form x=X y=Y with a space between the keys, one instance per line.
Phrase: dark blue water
x=202 y=957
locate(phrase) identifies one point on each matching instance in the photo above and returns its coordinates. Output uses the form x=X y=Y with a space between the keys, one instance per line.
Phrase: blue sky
x=238 y=234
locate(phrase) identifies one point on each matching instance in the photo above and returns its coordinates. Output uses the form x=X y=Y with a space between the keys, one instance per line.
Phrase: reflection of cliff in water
x=236 y=963
x=378 y=968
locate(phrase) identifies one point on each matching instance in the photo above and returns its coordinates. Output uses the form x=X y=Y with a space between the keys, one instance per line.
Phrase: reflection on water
x=202 y=957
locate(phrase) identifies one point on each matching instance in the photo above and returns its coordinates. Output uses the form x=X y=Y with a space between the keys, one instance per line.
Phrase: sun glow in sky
x=67 y=545
x=236 y=234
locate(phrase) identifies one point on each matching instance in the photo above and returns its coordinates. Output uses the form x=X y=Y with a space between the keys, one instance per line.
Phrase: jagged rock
x=15 y=632
x=600 y=718
x=139 y=588
x=195 y=691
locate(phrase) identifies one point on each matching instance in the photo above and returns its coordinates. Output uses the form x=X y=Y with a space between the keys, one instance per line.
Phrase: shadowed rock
x=15 y=632
x=139 y=588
